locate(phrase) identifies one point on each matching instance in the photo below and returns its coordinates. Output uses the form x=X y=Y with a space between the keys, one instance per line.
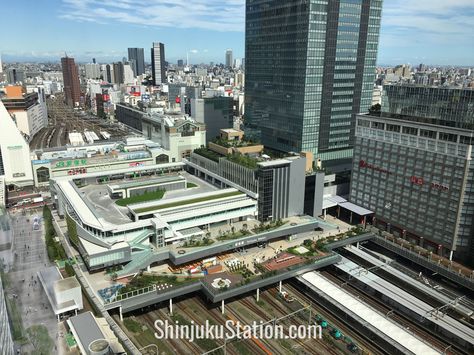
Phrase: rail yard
x=63 y=120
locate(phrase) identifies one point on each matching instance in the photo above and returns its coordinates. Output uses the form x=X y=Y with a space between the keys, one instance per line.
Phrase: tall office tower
x=180 y=63
x=118 y=74
x=93 y=60
x=158 y=63
x=108 y=73
x=15 y=76
x=228 y=58
x=72 y=89
x=310 y=68
x=1 y=65
x=137 y=57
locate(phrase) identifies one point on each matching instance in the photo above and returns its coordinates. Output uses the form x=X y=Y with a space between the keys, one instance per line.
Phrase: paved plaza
x=29 y=256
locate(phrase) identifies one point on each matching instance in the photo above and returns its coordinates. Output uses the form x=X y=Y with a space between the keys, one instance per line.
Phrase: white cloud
x=214 y=15
x=431 y=20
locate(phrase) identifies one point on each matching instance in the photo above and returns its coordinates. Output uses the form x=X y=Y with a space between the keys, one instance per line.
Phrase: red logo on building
x=417 y=180
x=364 y=164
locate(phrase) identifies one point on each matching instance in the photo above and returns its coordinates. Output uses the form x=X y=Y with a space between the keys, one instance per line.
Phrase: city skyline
x=104 y=30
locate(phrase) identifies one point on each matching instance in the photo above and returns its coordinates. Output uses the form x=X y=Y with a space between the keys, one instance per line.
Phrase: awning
x=332 y=201
x=361 y=211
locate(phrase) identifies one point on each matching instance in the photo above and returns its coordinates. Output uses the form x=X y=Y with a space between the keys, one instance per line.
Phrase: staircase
x=139 y=262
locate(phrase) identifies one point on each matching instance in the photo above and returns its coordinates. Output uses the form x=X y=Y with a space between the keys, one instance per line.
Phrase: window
x=410 y=130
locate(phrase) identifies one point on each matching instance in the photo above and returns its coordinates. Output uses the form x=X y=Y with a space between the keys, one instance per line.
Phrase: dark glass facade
x=137 y=57
x=310 y=68
x=442 y=106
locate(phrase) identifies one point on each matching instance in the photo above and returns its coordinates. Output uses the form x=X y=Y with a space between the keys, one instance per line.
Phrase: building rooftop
x=53 y=284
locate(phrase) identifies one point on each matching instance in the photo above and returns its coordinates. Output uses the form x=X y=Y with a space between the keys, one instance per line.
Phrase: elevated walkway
x=151 y=295
x=350 y=240
x=451 y=301
x=435 y=266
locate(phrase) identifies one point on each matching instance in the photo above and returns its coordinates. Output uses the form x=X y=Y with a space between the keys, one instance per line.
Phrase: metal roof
x=413 y=303
x=85 y=329
x=361 y=211
x=388 y=327
x=332 y=201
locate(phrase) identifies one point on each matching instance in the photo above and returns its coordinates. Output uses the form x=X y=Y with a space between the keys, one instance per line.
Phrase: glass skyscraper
x=310 y=68
x=137 y=57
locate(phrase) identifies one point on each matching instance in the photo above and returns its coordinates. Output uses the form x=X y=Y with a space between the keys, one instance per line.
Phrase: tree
x=375 y=110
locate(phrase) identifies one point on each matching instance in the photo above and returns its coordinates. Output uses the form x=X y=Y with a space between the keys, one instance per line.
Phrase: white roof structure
x=14 y=151
x=400 y=296
x=332 y=201
x=361 y=211
x=463 y=306
x=76 y=138
x=389 y=328
x=63 y=294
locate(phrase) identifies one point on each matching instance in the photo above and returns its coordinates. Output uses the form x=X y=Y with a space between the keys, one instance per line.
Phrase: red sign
x=364 y=164
x=77 y=171
x=436 y=186
x=106 y=97
x=417 y=180
x=135 y=164
x=177 y=100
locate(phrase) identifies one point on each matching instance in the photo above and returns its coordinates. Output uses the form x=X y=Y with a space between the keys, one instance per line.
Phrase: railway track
x=366 y=345
x=403 y=320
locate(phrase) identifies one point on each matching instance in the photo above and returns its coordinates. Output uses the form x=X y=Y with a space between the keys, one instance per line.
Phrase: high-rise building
x=92 y=70
x=72 y=89
x=413 y=167
x=180 y=63
x=27 y=110
x=215 y=112
x=229 y=58
x=15 y=76
x=15 y=164
x=158 y=63
x=118 y=76
x=137 y=57
x=1 y=65
x=306 y=82
x=128 y=77
x=109 y=71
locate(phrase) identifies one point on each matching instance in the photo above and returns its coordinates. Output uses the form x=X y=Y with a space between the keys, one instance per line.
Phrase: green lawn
x=187 y=202
x=190 y=184
x=147 y=196
x=132 y=325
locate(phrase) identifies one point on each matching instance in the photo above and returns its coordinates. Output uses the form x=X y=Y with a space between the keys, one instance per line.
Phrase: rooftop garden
x=196 y=243
x=234 y=143
x=188 y=202
x=207 y=153
x=146 y=280
x=265 y=227
x=243 y=160
x=233 y=234
x=145 y=197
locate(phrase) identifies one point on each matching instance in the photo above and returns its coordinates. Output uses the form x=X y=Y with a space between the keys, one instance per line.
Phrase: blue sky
x=428 y=31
